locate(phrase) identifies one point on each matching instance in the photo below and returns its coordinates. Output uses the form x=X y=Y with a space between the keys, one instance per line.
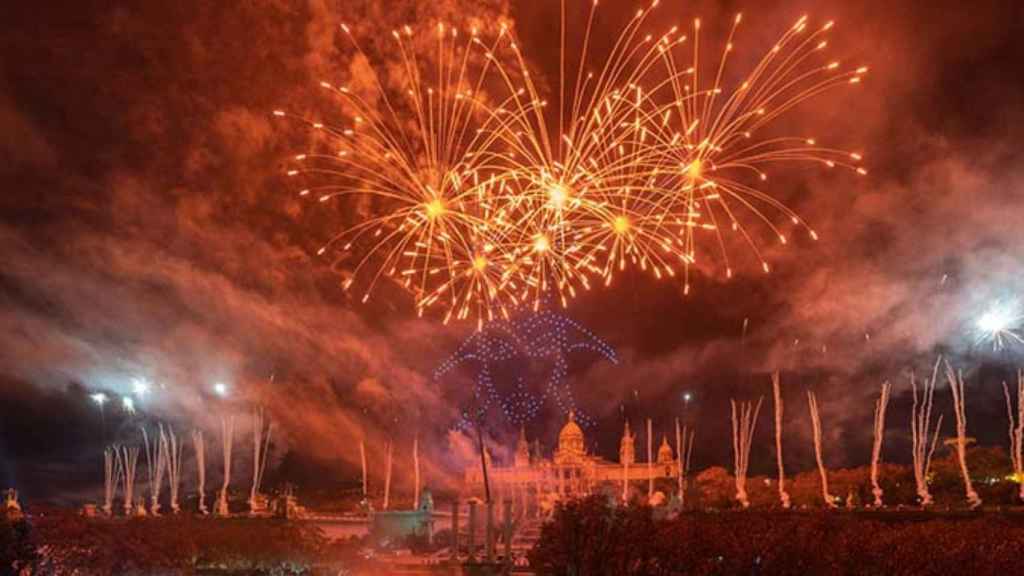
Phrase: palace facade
x=535 y=483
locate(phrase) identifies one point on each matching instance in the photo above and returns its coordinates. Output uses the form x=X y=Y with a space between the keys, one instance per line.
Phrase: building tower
x=522 y=457
x=627 y=447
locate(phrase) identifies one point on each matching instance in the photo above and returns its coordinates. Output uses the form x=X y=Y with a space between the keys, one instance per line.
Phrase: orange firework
x=420 y=161
x=577 y=194
x=478 y=204
x=712 y=153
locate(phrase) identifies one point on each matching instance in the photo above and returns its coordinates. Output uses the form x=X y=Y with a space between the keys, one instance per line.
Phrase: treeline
x=61 y=542
x=593 y=536
x=990 y=469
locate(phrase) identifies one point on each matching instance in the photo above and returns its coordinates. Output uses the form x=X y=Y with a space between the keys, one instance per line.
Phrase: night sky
x=147 y=231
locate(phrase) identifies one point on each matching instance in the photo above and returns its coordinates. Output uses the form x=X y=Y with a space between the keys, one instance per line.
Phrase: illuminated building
x=534 y=483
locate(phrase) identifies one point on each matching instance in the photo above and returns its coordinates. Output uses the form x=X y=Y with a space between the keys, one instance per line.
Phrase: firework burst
x=478 y=198
x=1000 y=325
x=421 y=161
x=714 y=145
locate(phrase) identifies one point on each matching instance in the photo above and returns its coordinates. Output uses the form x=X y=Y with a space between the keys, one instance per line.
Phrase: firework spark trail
x=416 y=471
x=156 y=465
x=260 y=447
x=1016 y=431
x=112 y=466
x=387 y=478
x=227 y=434
x=200 y=447
x=743 y=423
x=173 y=450
x=480 y=206
x=920 y=422
x=684 y=447
x=956 y=385
x=879 y=434
x=812 y=403
x=362 y=459
x=129 y=460
x=777 y=394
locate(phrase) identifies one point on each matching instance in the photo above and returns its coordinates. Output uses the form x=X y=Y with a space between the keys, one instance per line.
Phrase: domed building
x=534 y=483
x=571 y=448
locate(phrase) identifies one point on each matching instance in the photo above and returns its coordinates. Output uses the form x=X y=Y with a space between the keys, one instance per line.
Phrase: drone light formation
x=546 y=338
x=480 y=202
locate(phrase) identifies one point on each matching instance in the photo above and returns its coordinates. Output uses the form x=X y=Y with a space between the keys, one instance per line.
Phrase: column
x=489 y=534
x=472 y=530
x=455 y=530
x=508 y=533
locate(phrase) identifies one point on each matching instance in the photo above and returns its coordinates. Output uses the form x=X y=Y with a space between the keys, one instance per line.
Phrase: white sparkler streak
x=200 y=448
x=743 y=423
x=1016 y=431
x=956 y=385
x=416 y=469
x=260 y=447
x=111 y=477
x=362 y=458
x=684 y=446
x=227 y=427
x=174 y=452
x=387 y=479
x=129 y=460
x=920 y=420
x=777 y=394
x=876 y=449
x=155 y=466
x=812 y=402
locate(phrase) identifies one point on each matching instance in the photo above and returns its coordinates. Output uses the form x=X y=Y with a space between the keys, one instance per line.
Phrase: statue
x=12 y=510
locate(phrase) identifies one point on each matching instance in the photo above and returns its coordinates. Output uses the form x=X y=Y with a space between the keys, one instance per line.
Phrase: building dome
x=571 y=434
x=570 y=441
x=665 y=454
x=522 y=457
